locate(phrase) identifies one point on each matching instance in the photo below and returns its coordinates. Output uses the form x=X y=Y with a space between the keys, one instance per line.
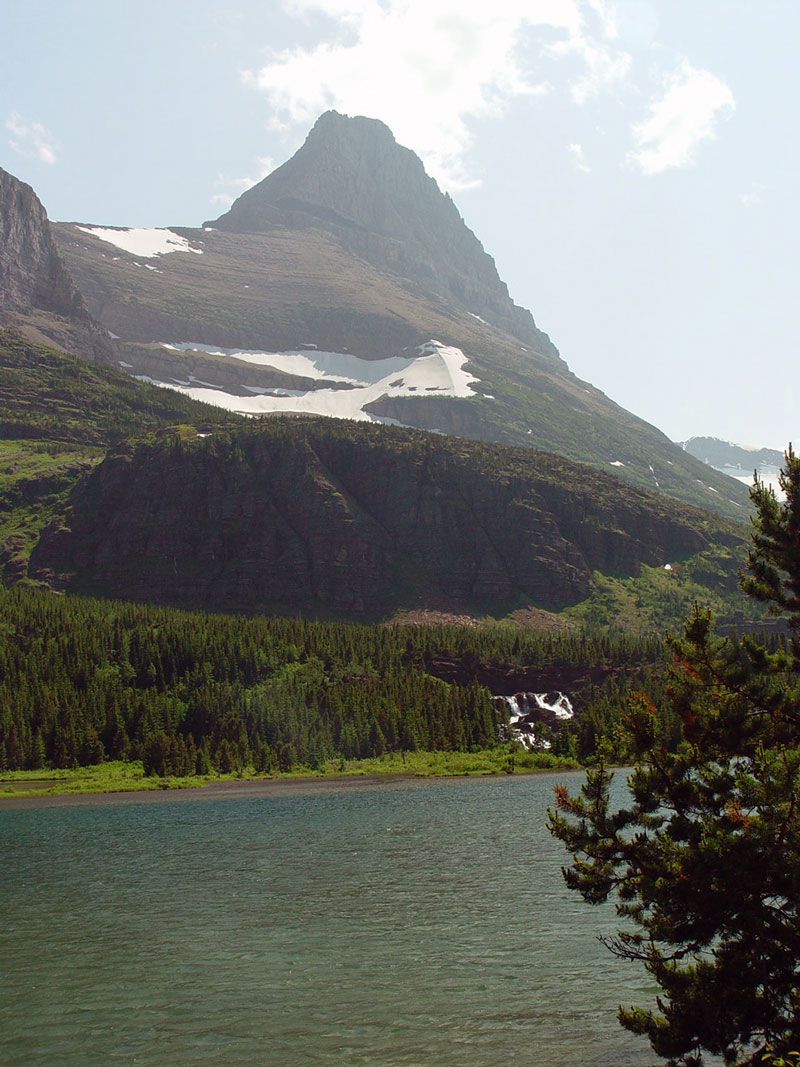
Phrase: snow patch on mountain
x=145 y=243
x=768 y=475
x=434 y=369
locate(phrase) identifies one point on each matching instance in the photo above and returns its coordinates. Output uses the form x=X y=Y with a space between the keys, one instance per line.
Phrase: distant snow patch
x=434 y=369
x=616 y=463
x=472 y=313
x=144 y=243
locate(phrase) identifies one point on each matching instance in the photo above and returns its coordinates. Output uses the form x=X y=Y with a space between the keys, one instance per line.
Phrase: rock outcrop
x=325 y=519
x=37 y=293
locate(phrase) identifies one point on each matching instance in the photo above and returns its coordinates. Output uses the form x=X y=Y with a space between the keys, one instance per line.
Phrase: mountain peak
x=351 y=125
x=352 y=180
x=350 y=171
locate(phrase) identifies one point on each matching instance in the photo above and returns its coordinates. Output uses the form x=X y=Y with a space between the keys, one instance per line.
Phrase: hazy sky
x=631 y=166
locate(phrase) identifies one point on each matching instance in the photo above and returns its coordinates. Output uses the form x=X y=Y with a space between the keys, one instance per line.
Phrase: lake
x=418 y=922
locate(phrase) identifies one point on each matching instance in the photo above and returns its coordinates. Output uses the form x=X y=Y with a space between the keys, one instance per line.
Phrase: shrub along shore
x=119 y=776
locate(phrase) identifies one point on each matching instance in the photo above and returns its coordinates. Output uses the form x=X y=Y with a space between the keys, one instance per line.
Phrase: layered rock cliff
x=37 y=292
x=331 y=520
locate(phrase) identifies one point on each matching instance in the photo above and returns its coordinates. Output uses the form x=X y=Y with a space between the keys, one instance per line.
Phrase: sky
x=631 y=165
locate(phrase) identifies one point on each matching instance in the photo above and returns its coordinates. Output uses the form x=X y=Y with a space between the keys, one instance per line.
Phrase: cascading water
x=528 y=710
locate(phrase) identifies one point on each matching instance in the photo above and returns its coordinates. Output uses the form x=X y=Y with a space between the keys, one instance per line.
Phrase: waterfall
x=526 y=710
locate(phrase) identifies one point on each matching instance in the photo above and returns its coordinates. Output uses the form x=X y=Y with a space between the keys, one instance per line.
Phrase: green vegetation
x=53 y=396
x=657 y=600
x=345 y=520
x=35 y=478
x=704 y=862
x=120 y=775
x=60 y=413
x=85 y=681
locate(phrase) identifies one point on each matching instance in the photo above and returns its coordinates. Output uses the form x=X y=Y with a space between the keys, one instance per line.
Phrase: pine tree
x=704 y=862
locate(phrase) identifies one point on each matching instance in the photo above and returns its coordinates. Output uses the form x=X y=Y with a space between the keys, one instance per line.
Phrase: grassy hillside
x=58 y=415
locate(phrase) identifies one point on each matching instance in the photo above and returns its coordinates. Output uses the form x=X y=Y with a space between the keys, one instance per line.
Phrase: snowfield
x=433 y=370
x=143 y=243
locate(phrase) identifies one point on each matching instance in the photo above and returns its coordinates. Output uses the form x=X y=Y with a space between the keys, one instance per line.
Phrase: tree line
x=83 y=681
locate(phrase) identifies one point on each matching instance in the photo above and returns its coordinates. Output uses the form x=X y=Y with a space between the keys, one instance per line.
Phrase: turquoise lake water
x=419 y=922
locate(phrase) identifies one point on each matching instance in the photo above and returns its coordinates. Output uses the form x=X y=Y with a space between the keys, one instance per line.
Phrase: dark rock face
x=37 y=292
x=356 y=522
x=353 y=179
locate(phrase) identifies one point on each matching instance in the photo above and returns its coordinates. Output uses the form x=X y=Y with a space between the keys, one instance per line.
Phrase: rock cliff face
x=353 y=179
x=331 y=520
x=37 y=292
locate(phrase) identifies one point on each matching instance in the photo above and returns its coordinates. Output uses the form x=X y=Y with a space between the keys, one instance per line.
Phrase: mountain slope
x=58 y=415
x=349 y=248
x=353 y=179
x=37 y=293
x=337 y=520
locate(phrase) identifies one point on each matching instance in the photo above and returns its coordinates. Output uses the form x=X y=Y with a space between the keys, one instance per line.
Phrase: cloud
x=683 y=117
x=31 y=139
x=753 y=197
x=594 y=41
x=580 y=161
x=429 y=68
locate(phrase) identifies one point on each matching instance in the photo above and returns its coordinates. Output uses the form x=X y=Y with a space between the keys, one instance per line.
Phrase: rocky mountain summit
x=725 y=454
x=38 y=295
x=351 y=178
